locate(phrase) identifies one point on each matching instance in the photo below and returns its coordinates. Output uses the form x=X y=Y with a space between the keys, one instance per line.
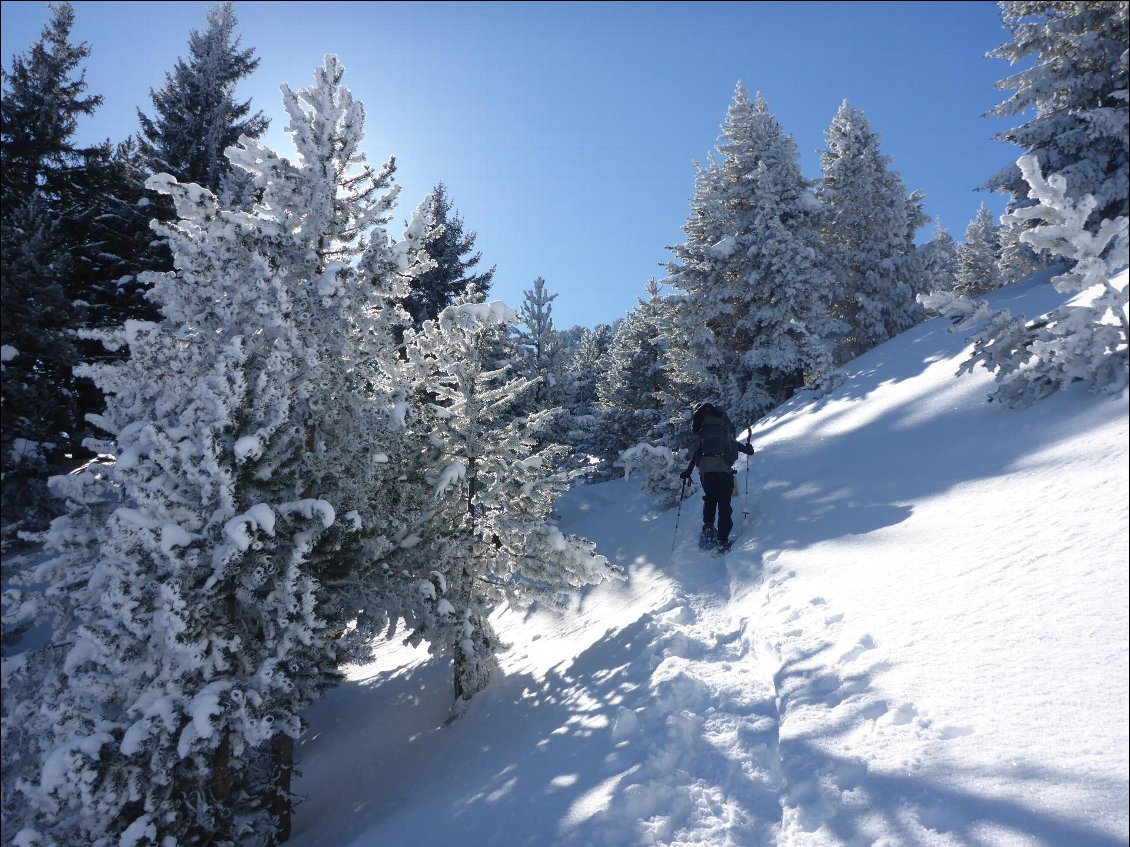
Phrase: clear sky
x=566 y=132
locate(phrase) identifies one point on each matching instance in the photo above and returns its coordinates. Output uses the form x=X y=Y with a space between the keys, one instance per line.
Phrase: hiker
x=715 y=451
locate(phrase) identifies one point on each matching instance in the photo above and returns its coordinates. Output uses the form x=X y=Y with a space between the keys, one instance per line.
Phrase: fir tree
x=44 y=96
x=751 y=268
x=979 y=257
x=487 y=538
x=1082 y=341
x=449 y=246
x=585 y=368
x=195 y=115
x=187 y=583
x=1018 y=259
x=38 y=354
x=939 y=260
x=536 y=338
x=631 y=397
x=1075 y=93
x=869 y=227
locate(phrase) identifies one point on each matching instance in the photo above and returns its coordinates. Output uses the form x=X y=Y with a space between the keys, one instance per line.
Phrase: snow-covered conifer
x=1018 y=259
x=582 y=371
x=660 y=468
x=869 y=225
x=751 y=267
x=631 y=397
x=1072 y=93
x=978 y=258
x=586 y=367
x=486 y=537
x=246 y=430
x=536 y=339
x=939 y=260
x=541 y=358
x=1085 y=341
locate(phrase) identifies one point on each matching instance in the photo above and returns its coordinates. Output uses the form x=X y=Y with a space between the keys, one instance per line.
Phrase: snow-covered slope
x=920 y=638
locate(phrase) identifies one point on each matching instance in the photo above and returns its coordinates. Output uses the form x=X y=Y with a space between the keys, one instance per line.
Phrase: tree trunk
x=222 y=786
x=473 y=673
x=282 y=767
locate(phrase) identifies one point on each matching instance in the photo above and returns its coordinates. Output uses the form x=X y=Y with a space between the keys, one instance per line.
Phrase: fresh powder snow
x=919 y=638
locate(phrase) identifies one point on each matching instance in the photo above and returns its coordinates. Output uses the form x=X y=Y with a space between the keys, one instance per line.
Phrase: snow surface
x=919 y=638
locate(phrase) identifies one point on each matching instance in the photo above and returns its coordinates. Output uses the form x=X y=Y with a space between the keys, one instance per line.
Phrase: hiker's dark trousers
x=717 y=488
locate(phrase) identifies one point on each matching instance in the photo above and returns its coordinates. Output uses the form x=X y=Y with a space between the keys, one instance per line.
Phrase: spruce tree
x=752 y=269
x=44 y=96
x=869 y=225
x=188 y=585
x=1018 y=259
x=38 y=410
x=535 y=337
x=583 y=369
x=114 y=242
x=979 y=257
x=1072 y=97
x=195 y=114
x=939 y=260
x=486 y=538
x=449 y=246
x=631 y=397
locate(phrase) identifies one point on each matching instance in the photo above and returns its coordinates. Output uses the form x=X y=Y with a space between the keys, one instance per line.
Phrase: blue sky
x=566 y=132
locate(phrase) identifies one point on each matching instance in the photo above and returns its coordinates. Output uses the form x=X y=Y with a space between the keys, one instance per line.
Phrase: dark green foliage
x=38 y=411
x=43 y=97
x=450 y=249
x=196 y=116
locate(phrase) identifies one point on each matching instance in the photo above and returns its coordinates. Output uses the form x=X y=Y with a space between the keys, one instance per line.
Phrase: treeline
x=266 y=431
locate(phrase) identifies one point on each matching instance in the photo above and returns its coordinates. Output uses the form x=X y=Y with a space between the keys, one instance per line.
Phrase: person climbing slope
x=714 y=451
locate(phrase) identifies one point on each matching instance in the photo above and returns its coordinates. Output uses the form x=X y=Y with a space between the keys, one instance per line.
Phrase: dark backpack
x=716 y=434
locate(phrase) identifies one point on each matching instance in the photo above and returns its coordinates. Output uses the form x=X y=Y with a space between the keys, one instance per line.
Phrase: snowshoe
x=707 y=539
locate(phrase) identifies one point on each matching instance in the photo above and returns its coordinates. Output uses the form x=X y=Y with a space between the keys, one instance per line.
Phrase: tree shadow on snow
x=867 y=477
x=861 y=467
x=597 y=753
x=911 y=803
x=585 y=757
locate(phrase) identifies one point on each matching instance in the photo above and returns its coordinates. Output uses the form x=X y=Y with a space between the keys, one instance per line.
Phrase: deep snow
x=919 y=638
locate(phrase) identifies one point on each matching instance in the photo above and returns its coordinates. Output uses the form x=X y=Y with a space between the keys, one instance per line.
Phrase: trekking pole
x=745 y=498
x=678 y=515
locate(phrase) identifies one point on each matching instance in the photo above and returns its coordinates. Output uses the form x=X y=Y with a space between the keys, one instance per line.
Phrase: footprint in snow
x=904 y=714
x=865 y=643
x=948 y=733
